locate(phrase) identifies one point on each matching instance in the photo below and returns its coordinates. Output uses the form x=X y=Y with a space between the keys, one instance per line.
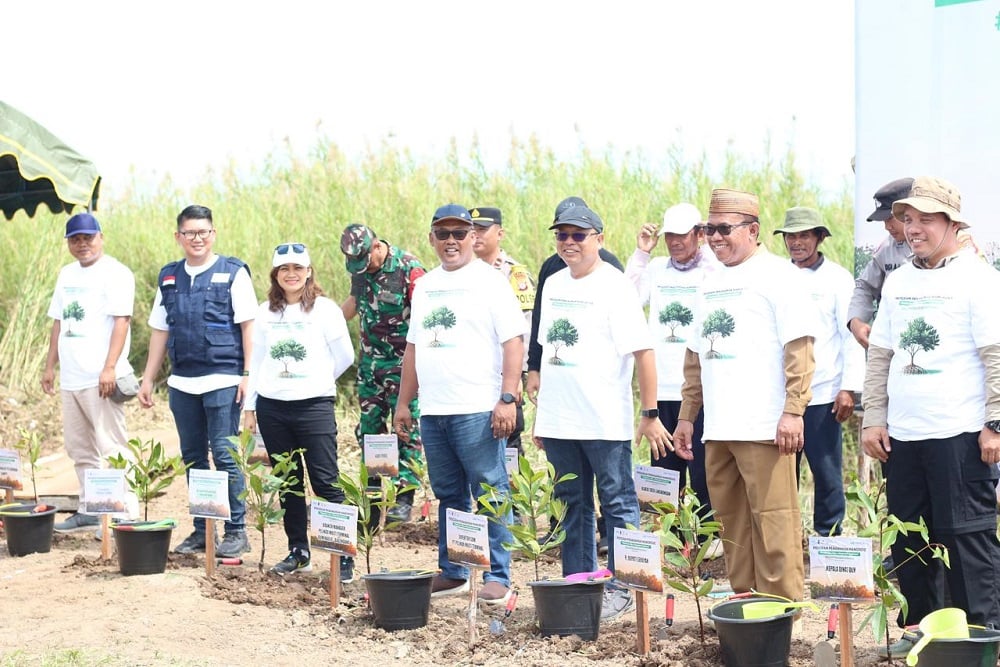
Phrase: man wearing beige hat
x=751 y=365
x=932 y=407
x=840 y=364
x=669 y=286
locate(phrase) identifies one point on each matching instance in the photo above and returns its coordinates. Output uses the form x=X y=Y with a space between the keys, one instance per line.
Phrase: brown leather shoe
x=493 y=592
x=443 y=586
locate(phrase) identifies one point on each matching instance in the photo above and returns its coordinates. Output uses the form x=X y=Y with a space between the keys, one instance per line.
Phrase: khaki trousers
x=754 y=495
x=93 y=430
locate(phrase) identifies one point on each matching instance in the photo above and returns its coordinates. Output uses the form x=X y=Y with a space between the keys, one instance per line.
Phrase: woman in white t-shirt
x=300 y=347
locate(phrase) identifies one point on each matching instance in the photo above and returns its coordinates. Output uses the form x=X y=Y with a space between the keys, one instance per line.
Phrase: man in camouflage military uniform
x=489 y=232
x=382 y=279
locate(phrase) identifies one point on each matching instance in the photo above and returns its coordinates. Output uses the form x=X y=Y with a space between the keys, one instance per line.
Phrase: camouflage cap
x=356 y=243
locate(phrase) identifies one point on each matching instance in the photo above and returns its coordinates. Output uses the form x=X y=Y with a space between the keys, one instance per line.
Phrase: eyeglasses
x=578 y=237
x=192 y=234
x=297 y=248
x=723 y=229
x=457 y=234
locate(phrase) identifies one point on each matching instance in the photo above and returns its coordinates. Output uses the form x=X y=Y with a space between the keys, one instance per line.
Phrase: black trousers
x=945 y=482
x=669 y=411
x=311 y=425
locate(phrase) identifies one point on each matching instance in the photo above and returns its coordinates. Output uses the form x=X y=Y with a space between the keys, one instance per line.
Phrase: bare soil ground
x=71 y=607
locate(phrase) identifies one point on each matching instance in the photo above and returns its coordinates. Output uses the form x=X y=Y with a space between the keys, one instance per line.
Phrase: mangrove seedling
x=532 y=497
x=418 y=466
x=148 y=469
x=30 y=446
x=357 y=493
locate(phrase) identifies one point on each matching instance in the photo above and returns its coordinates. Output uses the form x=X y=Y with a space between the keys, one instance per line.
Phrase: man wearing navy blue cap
x=91 y=310
x=464 y=353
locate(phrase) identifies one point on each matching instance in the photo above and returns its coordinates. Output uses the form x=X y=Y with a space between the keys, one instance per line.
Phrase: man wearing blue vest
x=203 y=318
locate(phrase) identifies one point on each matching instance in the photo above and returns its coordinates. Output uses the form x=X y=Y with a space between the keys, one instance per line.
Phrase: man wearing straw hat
x=840 y=364
x=932 y=407
x=751 y=366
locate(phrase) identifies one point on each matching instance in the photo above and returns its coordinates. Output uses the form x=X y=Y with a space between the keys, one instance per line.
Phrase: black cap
x=484 y=216
x=888 y=193
x=579 y=216
x=567 y=203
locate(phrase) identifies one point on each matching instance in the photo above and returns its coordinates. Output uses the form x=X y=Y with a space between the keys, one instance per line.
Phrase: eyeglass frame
x=283 y=248
x=578 y=237
x=192 y=234
x=709 y=230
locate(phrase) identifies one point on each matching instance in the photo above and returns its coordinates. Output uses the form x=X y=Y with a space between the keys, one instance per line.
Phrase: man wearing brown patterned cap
x=755 y=340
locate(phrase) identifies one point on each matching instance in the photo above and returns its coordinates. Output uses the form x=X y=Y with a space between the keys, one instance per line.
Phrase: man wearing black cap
x=91 y=310
x=464 y=353
x=489 y=234
x=890 y=254
x=382 y=280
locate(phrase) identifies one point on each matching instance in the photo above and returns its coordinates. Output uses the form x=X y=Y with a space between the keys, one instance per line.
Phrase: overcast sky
x=178 y=87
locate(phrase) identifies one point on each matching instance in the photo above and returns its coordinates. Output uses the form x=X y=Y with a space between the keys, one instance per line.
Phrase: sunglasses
x=723 y=229
x=457 y=234
x=578 y=237
x=283 y=249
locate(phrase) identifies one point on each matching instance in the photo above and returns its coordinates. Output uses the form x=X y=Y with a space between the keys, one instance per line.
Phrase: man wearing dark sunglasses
x=751 y=365
x=464 y=354
x=382 y=280
x=594 y=335
x=203 y=318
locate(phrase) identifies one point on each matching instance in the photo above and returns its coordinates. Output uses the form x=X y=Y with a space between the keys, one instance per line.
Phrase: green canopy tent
x=37 y=168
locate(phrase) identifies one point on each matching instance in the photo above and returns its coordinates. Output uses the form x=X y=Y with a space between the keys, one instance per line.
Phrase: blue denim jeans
x=461 y=455
x=204 y=423
x=610 y=462
x=825 y=453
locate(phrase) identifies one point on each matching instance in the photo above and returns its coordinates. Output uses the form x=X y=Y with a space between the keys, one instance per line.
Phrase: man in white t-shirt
x=593 y=335
x=751 y=367
x=203 y=317
x=932 y=407
x=463 y=353
x=840 y=365
x=91 y=311
x=669 y=286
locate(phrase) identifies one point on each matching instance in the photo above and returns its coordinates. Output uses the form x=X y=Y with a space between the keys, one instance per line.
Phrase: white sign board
x=103 y=492
x=467 y=539
x=656 y=485
x=382 y=455
x=840 y=568
x=638 y=560
x=208 y=493
x=10 y=470
x=333 y=527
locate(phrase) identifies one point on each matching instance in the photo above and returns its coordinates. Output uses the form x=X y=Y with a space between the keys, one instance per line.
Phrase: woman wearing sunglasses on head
x=301 y=346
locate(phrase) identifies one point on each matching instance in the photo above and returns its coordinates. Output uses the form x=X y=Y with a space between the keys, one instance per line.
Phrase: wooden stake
x=8 y=496
x=846 y=635
x=641 y=623
x=334 y=580
x=210 y=547
x=473 y=595
x=105 y=537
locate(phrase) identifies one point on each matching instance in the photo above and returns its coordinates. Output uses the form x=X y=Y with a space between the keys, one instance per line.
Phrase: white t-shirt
x=458 y=322
x=840 y=359
x=298 y=355
x=746 y=315
x=672 y=296
x=86 y=301
x=244 y=308
x=588 y=329
x=935 y=321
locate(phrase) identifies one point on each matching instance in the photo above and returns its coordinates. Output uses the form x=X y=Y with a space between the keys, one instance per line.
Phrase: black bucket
x=400 y=600
x=142 y=550
x=27 y=531
x=980 y=649
x=564 y=608
x=752 y=642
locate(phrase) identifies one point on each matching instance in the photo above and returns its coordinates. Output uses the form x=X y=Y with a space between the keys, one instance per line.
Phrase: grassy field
x=311 y=200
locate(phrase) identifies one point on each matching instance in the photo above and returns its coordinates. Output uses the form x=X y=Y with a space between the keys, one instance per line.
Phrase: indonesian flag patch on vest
x=168 y=281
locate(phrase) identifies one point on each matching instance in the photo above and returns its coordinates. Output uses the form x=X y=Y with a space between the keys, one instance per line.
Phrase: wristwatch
x=652 y=412
x=507 y=397
x=993 y=425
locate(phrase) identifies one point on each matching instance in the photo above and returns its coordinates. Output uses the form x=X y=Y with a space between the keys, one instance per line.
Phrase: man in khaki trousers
x=750 y=363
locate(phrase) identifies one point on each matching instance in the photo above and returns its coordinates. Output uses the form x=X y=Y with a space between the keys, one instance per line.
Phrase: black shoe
x=346 y=569
x=602 y=546
x=399 y=513
x=233 y=545
x=297 y=560
x=192 y=544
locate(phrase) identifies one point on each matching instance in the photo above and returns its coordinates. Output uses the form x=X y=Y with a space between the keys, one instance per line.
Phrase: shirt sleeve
x=158 y=314
x=635 y=271
x=244 y=299
x=867 y=291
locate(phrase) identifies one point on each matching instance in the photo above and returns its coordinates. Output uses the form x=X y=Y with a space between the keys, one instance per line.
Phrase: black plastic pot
x=400 y=600
x=980 y=649
x=142 y=546
x=564 y=608
x=752 y=642
x=27 y=531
